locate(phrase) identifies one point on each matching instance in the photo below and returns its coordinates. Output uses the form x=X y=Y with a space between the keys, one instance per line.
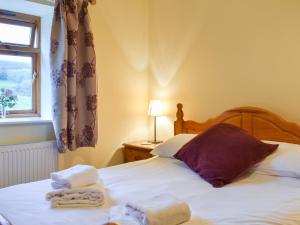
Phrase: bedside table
x=134 y=151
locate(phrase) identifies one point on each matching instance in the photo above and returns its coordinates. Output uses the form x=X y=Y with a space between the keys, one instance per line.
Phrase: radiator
x=27 y=162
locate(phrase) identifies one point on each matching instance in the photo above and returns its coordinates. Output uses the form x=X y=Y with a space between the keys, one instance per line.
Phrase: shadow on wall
x=117 y=158
x=84 y=155
x=170 y=37
x=213 y=55
x=129 y=26
x=165 y=127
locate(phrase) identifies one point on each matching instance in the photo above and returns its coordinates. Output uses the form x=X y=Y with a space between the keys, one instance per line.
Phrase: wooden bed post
x=262 y=124
x=178 y=124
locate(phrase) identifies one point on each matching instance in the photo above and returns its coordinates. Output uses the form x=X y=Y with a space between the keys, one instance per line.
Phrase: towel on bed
x=90 y=196
x=118 y=216
x=161 y=209
x=76 y=176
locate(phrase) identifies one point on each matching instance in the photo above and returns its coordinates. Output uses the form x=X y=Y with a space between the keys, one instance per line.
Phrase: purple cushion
x=222 y=153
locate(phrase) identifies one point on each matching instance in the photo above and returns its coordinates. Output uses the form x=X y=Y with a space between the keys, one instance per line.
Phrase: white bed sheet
x=254 y=200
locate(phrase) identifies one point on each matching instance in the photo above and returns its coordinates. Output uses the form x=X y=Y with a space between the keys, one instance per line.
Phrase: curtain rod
x=52 y=2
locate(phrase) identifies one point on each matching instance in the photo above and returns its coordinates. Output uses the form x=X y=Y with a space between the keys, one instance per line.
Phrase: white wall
x=46 y=22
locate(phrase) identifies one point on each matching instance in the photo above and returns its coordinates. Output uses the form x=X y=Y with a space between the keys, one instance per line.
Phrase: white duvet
x=254 y=200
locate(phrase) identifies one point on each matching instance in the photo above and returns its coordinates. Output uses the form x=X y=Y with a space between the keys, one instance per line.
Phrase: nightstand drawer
x=131 y=155
x=134 y=151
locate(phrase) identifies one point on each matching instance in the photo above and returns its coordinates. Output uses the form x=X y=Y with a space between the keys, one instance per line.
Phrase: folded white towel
x=118 y=216
x=161 y=209
x=76 y=176
x=90 y=196
x=75 y=204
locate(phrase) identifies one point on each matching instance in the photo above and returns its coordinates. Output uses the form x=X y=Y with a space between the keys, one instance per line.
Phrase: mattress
x=255 y=199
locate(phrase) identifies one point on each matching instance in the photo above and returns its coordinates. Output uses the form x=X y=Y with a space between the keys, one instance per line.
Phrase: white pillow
x=171 y=146
x=284 y=162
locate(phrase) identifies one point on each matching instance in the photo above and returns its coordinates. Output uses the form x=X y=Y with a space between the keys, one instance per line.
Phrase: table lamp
x=155 y=109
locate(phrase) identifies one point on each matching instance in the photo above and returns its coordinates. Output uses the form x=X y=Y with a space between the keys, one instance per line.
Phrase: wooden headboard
x=261 y=123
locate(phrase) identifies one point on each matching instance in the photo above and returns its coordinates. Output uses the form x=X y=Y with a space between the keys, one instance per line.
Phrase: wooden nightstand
x=134 y=151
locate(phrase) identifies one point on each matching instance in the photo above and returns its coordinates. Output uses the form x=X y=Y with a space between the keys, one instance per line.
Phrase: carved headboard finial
x=179 y=113
x=262 y=124
x=178 y=124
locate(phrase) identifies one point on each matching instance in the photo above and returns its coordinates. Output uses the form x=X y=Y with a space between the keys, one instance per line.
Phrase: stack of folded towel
x=163 y=209
x=76 y=176
x=91 y=196
x=79 y=186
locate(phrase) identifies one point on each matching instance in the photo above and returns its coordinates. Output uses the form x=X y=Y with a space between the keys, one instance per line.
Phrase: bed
x=256 y=199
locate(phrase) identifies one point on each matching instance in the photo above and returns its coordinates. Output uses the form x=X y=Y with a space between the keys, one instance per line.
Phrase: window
x=19 y=61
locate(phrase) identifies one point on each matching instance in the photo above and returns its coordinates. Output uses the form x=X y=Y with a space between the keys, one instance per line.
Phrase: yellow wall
x=212 y=55
x=121 y=39
x=25 y=133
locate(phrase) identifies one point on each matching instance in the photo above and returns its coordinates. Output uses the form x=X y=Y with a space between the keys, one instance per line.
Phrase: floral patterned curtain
x=73 y=71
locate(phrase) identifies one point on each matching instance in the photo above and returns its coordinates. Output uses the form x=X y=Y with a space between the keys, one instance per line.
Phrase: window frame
x=34 y=22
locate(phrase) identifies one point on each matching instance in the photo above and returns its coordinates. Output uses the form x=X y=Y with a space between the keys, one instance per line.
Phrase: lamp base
x=155 y=141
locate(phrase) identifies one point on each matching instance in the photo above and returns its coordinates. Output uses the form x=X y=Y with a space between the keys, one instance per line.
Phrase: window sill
x=25 y=120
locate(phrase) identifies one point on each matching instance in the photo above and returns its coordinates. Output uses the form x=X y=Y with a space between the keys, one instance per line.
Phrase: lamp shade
x=155 y=108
